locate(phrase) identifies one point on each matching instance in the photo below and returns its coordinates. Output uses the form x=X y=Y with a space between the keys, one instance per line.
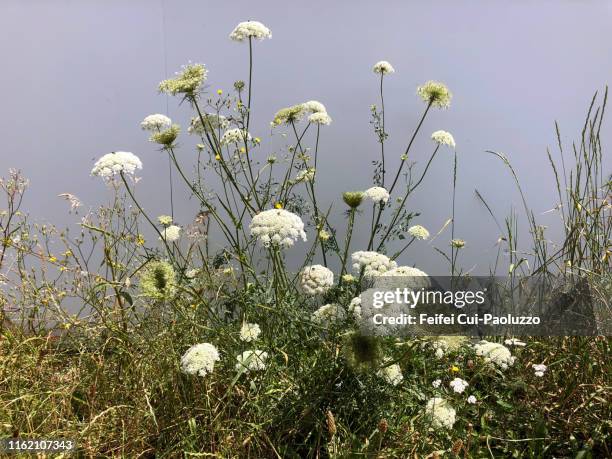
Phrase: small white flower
x=355 y=307
x=443 y=138
x=441 y=413
x=458 y=385
x=314 y=106
x=305 y=175
x=320 y=118
x=471 y=400
x=277 y=227
x=156 y=122
x=249 y=332
x=171 y=233
x=165 y=220
x=252 y=361
x=316 y=279
x=236 y=135
x=115 y=163
x=376 y=194
x=418 y=232
x=539 y=369
x=436 y=383
x=250 y=29
x=373 y=263
x=495 y=353
x=383 y=67
x=515 y=342
x=392 y=374
x=435 y=93
x=328 y=314
x=200 y=359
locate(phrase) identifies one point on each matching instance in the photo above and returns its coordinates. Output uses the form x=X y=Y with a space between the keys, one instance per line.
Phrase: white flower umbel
x=320 y=118
x=212 y=122
x=277 y=227
x=471 y=400
x=443 y=138
x=252 y=361
x=418 y=232
x=165 y=220
x=435 y=93
x=414 y=277
x=305 y=175
x=314 y=106
x=515 y=342
x=249 y=332
x=250 y=29
x=436 y=383
x=392 y=374
x=116 y=162
x=373 y=263
x=200 y=359
x=236 y=135
x=156 y=122
x=383 y=68
x=376 y=194
x=441 y=413
x=494 y=353
x=539 y=369
x=171 y=233
x=458 y=385
x=187 y=81
x=328 y=315
x=355 y=307
x=316 y=279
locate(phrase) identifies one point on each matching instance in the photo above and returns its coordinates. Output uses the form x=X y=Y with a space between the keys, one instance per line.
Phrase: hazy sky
x=78 y=77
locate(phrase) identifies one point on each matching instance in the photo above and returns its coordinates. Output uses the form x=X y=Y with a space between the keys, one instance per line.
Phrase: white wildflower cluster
x=355 y=307
x=320 y=118
x=440 y=348
x=443 y=138
x=392 y=374
x=249 y=332
x=373 y=263
x=254 y=360
x=200 y=359
x=171 y=233
x=250 y=29
x=315 y=109
x=383 y=68
x=435 y=93
x=376 y=194
x=415 y=277
x=305 y=175
x=328 y=314
x=277 y=227
x=212 y=122
x=187 y=81
x=539 y=369
x=471 y=400
x=116 y=162
x=165 y=220
x=458 y=385
x=156 y=122
x=441 y=413
x=314 y=106
x=436 y=383
x=495 y=353
x=515 y=342
x=418 y=232
x=316 y=279
x=236 y=135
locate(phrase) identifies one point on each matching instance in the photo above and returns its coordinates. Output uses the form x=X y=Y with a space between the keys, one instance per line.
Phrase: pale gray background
x=78 y=77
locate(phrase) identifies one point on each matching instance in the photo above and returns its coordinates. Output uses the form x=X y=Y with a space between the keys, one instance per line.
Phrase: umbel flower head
x=355 y=307
x=233 y=136
x=392 y=374
x=458 y=243
x=383 y=68
x=435 y=93
x=188 y=81
x=443 y=138
x=289 y=115
x=353 y=199
x=441 y=413
x=165 y=220
x=171 y=233
x=116 y=162
x=277 y=227
x=458 y=385
x=373 y=263
x=200 y=359
x=167 y=136
x=212 y=123
x=250 y=29
x=495 y=353
x=252 y=361
x=249 y=332
x=328 y=315
x=155 y=122
x=316 y=279
x=305 y=175
x=158 y=280
x=314 y=106
x=418 y=232
x=321 y=118
x=376 y=194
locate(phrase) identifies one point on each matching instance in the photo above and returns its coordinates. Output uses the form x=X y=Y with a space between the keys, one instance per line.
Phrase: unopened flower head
x=249 y=332
x=353 y=199
x=383 y=68
x=235 y=136
x=156 y=122
x=328 y=315
x=254 y=360
x=158 y=280
x=458 y=385
x=316 y=280
x=277 y=227
x=200 y=359
x=435 y=93
x=441 y=413
x=443 y=138
x=187 y=81
x=320 y=118
x=495 y=353
x=458 y=243
x=171 y=233
x=392 y=374
x=212 y=123
x=418 y=232
x=115 y=163
x=165 y=220
x=167 y=136
x=376 y=194
x=373 y=263
x=250 y=29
